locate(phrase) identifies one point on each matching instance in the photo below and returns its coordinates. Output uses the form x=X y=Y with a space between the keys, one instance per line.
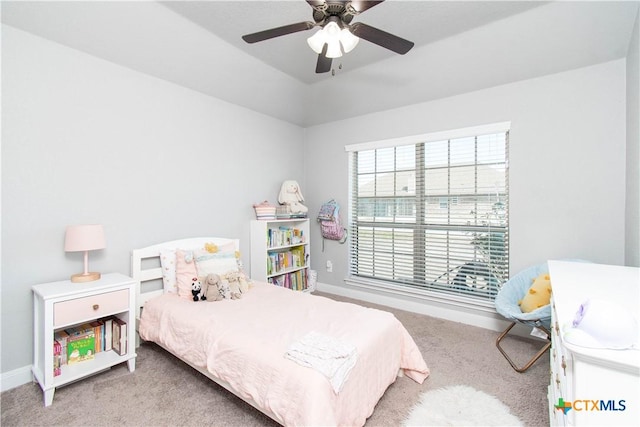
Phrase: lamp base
x=85 y=277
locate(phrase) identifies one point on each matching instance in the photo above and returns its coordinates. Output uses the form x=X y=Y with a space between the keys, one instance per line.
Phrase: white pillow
x=218 y=263
x=168 y=264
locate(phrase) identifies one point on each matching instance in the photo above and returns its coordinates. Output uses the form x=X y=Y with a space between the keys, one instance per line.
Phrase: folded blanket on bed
x=329 y=356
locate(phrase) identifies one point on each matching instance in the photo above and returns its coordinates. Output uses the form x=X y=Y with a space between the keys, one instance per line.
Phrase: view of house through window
x=432 y=215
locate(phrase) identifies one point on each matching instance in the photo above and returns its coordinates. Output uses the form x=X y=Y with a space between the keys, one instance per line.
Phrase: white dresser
x=602 y=387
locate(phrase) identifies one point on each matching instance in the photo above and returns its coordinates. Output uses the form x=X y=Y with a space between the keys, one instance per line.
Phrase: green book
x=81 y=348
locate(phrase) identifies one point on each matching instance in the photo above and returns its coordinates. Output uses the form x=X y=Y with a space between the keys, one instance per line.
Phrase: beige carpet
x=165 y=392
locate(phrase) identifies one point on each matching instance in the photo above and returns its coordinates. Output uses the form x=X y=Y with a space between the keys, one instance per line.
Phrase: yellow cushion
x=539 y=294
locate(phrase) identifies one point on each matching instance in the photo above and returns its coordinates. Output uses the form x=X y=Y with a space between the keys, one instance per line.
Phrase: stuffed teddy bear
x=291 y=197
x=538 y=295
x=245 y=282
x=196 y=290
x=215 y=288
x=237 y=280
x=234 y=284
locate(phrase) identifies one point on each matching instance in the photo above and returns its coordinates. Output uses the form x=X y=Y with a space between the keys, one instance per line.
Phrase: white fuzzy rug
x=460 y=406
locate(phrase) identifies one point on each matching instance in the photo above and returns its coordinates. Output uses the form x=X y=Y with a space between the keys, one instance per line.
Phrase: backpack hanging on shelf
x=330 y=224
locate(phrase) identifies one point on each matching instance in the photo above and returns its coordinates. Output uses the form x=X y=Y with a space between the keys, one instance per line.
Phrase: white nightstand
x=59 y=305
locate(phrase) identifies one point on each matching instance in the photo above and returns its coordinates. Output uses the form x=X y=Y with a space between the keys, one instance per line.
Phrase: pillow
x=168 y=263
x=538 y=295
x=218 y=263
x=185 y=273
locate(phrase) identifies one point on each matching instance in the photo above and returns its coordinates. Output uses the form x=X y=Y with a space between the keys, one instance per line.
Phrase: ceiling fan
x=338 y=33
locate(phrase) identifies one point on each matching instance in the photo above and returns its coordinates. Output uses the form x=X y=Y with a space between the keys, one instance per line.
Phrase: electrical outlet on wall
x=329 y=267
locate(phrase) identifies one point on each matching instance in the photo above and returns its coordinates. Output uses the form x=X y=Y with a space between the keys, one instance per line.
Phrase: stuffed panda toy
x=196 y=290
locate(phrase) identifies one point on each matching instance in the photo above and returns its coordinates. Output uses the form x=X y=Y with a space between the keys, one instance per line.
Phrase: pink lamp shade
x=84 y=238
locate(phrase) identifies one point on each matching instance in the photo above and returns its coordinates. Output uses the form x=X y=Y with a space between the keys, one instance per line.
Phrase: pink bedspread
x=243 y=343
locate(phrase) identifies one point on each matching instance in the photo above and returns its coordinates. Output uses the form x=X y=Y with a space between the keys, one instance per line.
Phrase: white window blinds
x=432 y=214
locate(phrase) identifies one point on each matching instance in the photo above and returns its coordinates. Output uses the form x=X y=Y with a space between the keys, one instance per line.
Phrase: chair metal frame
x=536 y=324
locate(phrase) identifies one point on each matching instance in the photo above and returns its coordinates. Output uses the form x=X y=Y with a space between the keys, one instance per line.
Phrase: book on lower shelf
x=296 y=280
x=57 y=351
x=108 y=333
x=119 y=335
x=98 y=330
x=81 y=347
x=61 y=337
x=281 y=261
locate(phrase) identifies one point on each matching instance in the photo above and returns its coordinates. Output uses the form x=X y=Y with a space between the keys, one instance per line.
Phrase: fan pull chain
x=333 y=70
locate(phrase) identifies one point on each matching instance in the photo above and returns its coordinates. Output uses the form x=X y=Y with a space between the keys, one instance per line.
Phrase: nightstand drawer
x=91 y=307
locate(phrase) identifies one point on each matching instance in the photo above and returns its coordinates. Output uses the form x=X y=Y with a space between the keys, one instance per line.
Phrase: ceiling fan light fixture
x=333 y=49
x=317 y=41
x=348 y=40
x=332 y=38
x=335 y=38
x=332 y=30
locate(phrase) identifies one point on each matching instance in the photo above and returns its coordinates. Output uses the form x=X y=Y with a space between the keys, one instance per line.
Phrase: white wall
x=632 y=217
x=87 y=141
x=567 y=162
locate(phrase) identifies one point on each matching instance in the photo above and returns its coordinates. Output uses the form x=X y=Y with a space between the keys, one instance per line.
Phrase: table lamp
x=85 y=238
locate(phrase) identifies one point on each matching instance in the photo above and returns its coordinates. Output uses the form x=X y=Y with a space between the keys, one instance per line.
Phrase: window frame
x=427 y=291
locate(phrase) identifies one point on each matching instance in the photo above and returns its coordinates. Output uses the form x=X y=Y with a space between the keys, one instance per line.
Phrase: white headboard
x=138 y=256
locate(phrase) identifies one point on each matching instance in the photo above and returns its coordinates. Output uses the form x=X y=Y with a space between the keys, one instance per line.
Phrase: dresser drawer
x=91 y=307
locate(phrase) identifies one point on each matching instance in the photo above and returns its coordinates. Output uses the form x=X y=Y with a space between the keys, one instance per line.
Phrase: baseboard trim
x=15 y=378
x=482 y=319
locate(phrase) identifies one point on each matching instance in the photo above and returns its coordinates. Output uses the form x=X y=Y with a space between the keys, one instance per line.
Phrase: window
x=430 y=214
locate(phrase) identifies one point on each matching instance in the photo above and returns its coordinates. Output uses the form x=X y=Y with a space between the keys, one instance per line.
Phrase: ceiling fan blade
x=324 y=64
x=277 y=32
x=381 y=38
x=361 y=5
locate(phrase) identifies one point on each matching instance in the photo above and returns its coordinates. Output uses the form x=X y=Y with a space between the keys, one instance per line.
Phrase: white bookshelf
x=280 y=252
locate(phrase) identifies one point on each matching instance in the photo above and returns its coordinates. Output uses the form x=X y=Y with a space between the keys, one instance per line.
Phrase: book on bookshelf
x=119 y=336
x=108 y=333
x=97 y=331
x=82 y=329
x=81 y=347
x=296 y=280
x=61 y=336
x=284 y=236
x=57 y=351
x=281 y=261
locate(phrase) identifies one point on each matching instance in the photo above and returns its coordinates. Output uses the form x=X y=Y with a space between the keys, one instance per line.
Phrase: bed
x=241 y=344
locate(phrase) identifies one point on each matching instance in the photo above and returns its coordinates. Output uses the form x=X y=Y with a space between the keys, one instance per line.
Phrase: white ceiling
x=420 y=22
x=460 y=46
